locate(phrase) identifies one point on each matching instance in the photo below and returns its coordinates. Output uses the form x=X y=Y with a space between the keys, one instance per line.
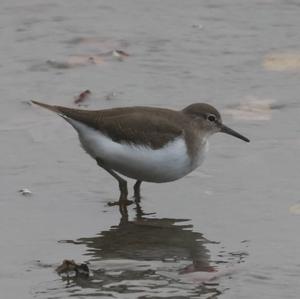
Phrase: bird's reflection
x=149 y=238
x=157 y=251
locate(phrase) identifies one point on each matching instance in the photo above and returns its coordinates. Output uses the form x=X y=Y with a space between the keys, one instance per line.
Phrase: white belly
x=139 y=162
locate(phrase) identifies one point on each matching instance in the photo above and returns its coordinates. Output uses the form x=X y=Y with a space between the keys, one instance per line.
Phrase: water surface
x=225 y=231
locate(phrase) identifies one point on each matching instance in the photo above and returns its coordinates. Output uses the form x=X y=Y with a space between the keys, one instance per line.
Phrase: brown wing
x=154 y=131
x=154 y=127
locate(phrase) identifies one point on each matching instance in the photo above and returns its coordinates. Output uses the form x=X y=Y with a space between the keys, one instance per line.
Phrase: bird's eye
x=211 y=117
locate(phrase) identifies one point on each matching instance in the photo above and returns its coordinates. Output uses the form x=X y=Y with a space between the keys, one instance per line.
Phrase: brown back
x=138 y=125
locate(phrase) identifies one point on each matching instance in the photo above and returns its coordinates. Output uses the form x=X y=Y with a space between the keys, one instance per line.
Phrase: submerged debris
x=74 y=61
x=295 y=209
x=288 y=61
x=59 y=64
x=25 y=192
x=254 y=109
x=70 y=268
x=81 y=60
x=82 y=96
x=84 y=60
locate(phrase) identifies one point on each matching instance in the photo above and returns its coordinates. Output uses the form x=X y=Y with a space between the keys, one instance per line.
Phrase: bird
x=147 y=144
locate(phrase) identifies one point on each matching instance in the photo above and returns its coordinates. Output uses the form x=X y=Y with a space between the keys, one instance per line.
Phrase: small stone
x=25 y=192
x=68 y=267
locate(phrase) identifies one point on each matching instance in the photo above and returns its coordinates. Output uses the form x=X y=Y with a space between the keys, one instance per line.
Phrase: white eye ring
x=211 y=117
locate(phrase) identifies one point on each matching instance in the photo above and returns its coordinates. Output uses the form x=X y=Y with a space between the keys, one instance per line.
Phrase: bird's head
x=208 y=118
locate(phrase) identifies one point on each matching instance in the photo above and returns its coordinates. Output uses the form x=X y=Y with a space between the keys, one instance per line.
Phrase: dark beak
x=229 y=131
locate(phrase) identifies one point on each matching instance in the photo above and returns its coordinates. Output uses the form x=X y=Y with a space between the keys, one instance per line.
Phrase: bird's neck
x=197 y=142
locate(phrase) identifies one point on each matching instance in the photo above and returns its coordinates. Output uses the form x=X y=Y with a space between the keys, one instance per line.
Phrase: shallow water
x=229 y=229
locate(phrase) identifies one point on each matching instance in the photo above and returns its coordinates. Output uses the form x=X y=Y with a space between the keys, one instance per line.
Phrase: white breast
x=136 y=161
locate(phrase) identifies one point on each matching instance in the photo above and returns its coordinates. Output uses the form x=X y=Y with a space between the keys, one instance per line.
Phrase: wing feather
x=154 y=127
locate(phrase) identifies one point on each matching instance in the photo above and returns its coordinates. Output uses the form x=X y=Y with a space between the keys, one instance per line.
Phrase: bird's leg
x=137 y=190
x=123 y=201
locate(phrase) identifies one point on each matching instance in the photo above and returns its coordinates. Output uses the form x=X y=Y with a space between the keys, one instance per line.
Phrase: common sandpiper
x=145 y=143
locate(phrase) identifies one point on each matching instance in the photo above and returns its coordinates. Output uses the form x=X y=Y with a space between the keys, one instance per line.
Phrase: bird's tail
x=90 y=118
x=49 y=107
